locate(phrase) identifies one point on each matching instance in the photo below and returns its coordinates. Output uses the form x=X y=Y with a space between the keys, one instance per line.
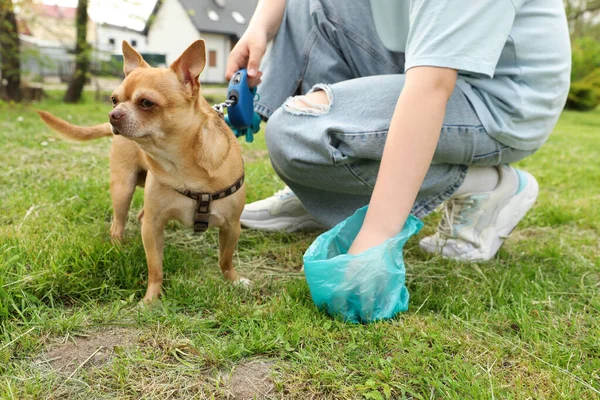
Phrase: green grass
x=522 y=326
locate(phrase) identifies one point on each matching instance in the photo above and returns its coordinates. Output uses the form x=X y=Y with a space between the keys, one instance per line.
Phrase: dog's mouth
x=115 y=131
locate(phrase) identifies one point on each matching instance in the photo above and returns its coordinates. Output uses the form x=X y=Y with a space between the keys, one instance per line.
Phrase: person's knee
x=296 y=134
x=317 y=102
x=284 y=132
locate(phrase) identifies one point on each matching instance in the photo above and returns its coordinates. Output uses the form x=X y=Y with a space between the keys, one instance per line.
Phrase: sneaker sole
x=283 y=224
x=507 y=221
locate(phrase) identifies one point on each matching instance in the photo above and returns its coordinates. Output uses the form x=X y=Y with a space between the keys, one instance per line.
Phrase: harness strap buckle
x=201 y=222
x=202 y=214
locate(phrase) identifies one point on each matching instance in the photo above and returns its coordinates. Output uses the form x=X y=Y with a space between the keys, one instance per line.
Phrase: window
x=133 y=43
x=239 y=18
x=212 y=58
x=212 y=15
x=111 y=41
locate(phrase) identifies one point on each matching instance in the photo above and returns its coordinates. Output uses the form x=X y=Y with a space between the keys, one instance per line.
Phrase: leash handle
x=241 y=117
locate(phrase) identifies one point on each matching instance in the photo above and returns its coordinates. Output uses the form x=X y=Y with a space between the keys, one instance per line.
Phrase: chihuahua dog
x=167 y=138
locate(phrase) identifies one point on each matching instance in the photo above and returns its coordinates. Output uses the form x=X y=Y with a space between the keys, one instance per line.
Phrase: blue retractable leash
x=241 y=117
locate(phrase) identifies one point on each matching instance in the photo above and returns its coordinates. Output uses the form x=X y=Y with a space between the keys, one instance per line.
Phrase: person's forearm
x=268 y=16
x=410 y=144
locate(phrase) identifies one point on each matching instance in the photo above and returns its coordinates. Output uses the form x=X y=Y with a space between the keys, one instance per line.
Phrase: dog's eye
x=146 y=103
x=114 y=101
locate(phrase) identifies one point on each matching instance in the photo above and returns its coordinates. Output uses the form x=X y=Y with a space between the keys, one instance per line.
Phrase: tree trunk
x=582 y=15
x=10 y=52
x=82 y=56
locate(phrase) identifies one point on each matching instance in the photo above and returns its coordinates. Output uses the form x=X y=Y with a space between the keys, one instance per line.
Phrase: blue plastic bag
x=359 y=288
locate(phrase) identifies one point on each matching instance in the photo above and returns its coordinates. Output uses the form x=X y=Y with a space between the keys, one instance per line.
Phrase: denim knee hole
x=303 y=105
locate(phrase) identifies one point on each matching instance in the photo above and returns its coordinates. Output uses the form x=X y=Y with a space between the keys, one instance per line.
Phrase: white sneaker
x=280 y=212
x=474 y=226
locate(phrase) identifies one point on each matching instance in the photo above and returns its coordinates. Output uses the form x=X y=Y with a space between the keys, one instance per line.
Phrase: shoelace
x=285 y=192
x=454 y=213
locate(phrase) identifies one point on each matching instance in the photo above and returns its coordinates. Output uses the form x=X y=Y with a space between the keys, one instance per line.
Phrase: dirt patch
x=252 y=380
x=96 y=349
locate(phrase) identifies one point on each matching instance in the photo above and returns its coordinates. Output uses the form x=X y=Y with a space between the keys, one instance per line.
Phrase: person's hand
x=368 y=238
x=248 y=53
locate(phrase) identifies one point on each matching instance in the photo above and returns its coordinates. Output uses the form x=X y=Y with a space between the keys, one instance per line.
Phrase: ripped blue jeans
x=329 y=154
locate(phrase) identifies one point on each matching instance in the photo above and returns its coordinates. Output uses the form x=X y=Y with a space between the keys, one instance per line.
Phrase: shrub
x=585 y=56
x=583 y=96
x=593 y=78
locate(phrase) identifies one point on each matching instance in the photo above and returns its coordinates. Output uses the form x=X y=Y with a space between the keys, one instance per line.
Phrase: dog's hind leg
x=228 y=238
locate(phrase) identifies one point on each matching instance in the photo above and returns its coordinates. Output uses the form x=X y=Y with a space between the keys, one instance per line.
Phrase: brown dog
x=163 y=128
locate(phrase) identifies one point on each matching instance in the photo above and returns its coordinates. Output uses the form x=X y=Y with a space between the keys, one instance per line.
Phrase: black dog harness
x=204 y=199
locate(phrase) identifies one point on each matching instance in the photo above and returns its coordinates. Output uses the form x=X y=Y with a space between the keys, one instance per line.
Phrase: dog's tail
x=75 y=132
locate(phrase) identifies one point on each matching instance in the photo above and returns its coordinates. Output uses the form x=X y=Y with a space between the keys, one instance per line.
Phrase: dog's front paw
x=242 y=282
x=116 y=234
x=144 y=305
x=153 y=292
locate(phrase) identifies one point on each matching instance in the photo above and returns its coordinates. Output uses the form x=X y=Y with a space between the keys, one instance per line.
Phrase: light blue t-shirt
x=513 y=58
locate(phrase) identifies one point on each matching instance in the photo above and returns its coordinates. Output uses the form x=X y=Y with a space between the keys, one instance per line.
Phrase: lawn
x=525 y=325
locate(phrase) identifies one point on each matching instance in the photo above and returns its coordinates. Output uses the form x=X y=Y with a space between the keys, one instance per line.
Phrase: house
x=51 y=23
x=54 y=23
x=175 y=24
x=48 y=34
x=109 y=38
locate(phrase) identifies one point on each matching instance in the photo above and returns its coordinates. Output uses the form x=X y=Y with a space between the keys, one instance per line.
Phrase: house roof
x=119 y=27
x=55 y=11
x=200 y=12
x=217 y=16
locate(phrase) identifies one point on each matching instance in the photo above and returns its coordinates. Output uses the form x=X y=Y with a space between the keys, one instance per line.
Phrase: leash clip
x=220 y=107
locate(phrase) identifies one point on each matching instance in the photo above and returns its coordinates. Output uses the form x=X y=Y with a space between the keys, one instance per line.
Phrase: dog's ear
x=190 y=65
x=132 y=59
